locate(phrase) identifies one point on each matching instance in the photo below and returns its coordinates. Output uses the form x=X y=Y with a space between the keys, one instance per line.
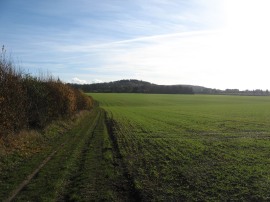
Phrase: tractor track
x=36 y=171
x=78 y=169
x=30 y=177
x=133 y=192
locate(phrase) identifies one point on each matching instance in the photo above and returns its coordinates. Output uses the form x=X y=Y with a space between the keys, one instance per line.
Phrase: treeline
x=214 y=91
x=203 y=90
x=34 y=102
x=133 y=86
x=257 y=92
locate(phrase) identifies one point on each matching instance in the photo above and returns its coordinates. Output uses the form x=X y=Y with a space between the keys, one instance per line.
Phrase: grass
x=85 y=166
x=21 y=154
x=52 y=180
x=193 y=147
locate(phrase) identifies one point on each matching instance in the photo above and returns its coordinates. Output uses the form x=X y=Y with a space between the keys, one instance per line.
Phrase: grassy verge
x=85 y=167
x=21 y=154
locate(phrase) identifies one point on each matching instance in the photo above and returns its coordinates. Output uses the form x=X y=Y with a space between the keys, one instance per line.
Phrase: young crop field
x=193 y=147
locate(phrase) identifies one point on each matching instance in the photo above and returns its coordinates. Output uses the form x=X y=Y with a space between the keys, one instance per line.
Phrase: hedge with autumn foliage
x=34 y=102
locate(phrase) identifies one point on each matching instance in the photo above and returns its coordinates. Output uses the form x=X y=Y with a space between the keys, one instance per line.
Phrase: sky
x=213 y=43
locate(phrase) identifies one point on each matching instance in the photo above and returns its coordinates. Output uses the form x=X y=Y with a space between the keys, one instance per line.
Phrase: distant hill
x=134 y=86
x=137 y=86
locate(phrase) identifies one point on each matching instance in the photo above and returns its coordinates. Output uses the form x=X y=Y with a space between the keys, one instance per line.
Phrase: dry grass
x=25 y=143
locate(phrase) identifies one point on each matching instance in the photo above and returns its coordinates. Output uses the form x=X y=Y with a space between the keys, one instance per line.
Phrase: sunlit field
x=193 y=147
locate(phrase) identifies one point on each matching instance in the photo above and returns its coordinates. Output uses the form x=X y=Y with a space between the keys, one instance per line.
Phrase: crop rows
x=193 y=147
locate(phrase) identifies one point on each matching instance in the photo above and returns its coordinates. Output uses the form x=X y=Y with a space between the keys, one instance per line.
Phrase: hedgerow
x=33 y=102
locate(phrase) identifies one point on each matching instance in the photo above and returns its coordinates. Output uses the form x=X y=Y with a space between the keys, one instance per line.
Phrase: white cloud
x=97 y=81
x=78 y=81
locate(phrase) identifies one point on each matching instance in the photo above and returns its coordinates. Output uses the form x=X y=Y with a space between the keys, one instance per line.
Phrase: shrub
x=12 y=98
x=27 y=101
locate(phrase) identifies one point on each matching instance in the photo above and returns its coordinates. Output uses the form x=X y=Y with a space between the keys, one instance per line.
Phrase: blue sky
x=214 y=43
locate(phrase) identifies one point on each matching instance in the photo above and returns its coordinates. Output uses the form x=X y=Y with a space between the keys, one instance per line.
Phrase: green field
x=193 y=147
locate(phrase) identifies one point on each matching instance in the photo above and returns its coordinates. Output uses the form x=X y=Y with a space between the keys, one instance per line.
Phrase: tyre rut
x=46 y=180
x=88 y=166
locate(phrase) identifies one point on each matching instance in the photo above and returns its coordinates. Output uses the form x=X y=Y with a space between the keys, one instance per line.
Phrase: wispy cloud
x=171 y=58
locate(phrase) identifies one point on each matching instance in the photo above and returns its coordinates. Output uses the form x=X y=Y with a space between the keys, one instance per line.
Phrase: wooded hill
x=133 y=86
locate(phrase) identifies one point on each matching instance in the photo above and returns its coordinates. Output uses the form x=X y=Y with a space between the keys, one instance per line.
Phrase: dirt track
x=86 y=167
